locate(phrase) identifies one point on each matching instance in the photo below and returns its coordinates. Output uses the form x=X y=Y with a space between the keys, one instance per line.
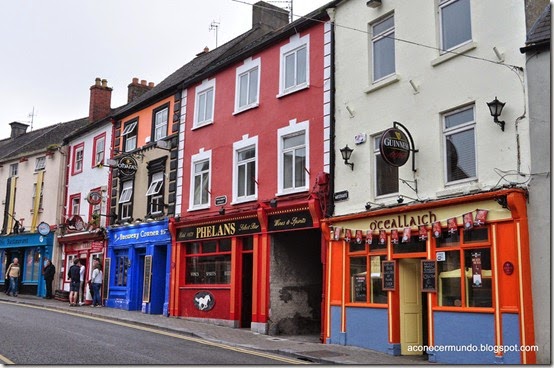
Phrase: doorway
x=411 y=307
x=246 y=298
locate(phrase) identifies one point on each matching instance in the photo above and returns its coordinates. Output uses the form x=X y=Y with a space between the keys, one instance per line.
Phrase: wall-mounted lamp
x=165 y=145
x=401 y=197
x=496 y=107
x=373 y=3
x=368 y=205
x=222 y=211
x=346 y=152
x=273 y=203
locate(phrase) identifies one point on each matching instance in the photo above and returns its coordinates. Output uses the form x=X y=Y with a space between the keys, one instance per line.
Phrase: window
x=293 y=158
x=13 y=170
x=366 y=278
x=247 y=85
x=208 y=262
x=35 y=194
x=382 y=47
x=78 y=158
x=40 y=163
x=459 y=142
x=386 y=176
x=245 y=172
x=126 y=205
x=130 y=136
x=200 y=179
x=74 y=204
x=155 y=193
x=295 y=71
x=204 y=108
x=160 y=122
x=122 y=265
x=455 y=23
x=32 y=265
x=99 y=149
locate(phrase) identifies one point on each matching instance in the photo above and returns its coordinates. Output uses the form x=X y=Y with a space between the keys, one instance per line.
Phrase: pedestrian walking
x=75 y=280
x=48 y=273
x=13 y=272
x=96 y=282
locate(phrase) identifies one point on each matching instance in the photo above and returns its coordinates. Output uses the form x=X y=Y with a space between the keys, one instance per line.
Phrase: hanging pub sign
x=127 y=166
x=394 y=147
x=94 y=197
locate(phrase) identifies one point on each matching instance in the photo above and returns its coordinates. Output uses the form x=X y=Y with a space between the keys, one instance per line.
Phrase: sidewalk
x=306 y=348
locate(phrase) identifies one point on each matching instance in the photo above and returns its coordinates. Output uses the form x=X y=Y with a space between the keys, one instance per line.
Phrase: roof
x=210 y=62
x=539 y=34
x=38 y=140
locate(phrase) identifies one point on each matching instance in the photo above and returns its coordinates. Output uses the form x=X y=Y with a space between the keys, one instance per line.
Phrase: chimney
x=136 y=89
x=18 y=129
x=100 y=100
x=269 y=16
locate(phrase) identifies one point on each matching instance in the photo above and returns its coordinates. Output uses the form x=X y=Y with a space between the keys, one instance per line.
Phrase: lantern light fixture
x=346 y=153
x=495 y=107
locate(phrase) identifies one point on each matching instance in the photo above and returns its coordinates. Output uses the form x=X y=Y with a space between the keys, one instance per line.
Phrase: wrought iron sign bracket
x=396 y=124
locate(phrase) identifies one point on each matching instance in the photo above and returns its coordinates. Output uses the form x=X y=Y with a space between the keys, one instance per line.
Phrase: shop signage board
x=243 y=226
x=127 y=166
x=341 y=196
x=204 y=301
x=149 y=232
x=389 y=275
x=429 y=276
x=290 y=221
x=221 y=200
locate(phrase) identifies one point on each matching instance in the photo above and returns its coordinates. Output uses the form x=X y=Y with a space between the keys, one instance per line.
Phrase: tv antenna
x=288 y=6
x=215 y=26
x=32 y=116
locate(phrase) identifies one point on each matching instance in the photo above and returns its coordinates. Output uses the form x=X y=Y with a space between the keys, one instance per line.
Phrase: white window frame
x=239 y=146
x=126 y=192
x=292 y=129
x=442 y=5
x=35 y=195
x=40 y=163
x=202 y=90
x=375 y=38
x=160 y=125
x=250 y=66
x=79 y=161
x=464 y=127
x=196 y=159
x=75 y=206
x=129 y=129
x=13 y=169
x=295 y=43
x=156 y=184
x=99 y=154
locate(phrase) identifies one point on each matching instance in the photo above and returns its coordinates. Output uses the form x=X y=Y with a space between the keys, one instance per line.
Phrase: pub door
x=411 y=305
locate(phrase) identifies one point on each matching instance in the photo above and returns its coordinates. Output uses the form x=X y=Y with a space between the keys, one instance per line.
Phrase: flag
x=468 y=221
x=382 y=236
x=348 y=236
x=452 y=225
x=359 y=237
x=481 y=217
x=437 y=229
x=422 y=233
x=368 y=237
x=394 y=236
x=406 y=234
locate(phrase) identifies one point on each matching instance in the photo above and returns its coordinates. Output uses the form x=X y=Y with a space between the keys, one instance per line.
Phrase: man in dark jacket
x=74 y=274
x=48 y=273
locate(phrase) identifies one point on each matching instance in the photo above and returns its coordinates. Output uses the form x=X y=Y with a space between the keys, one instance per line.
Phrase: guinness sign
x=394 y=147
x=127 y=166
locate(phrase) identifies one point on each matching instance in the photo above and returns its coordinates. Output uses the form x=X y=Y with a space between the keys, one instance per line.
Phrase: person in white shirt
x=81 y=285
x=96 y=282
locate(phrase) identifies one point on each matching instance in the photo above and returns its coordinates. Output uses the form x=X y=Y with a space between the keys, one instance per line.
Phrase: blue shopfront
x=31 y=250
x=136 y=270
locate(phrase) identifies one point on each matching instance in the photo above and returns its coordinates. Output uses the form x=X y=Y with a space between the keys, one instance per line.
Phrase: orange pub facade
x=449 y=278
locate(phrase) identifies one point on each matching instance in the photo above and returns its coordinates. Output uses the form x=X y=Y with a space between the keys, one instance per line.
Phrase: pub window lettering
x=208 y=262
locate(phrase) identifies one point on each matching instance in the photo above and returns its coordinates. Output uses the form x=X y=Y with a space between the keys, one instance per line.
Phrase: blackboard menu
x=389 y=275
x=429 y=276
x=360 y=288
x=106 y=274
x=147 y=279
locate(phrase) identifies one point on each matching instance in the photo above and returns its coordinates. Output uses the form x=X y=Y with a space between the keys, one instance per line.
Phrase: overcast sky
x=51 y=51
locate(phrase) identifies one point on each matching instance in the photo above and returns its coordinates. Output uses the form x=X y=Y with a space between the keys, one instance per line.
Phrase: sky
x=51 y=51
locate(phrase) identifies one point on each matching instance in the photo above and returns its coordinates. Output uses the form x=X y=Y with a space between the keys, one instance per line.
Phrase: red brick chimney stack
x=136 y=89
x=100 y=100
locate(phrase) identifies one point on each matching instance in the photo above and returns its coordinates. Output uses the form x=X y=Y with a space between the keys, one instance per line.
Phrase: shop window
x=450 y=285
x=478 y=277
x=247 y=243
x=382 y=48
x=3 y=261
x=159 y=122
x=121 y=268
x=366 y=280
x=386 y=176
x=448 y=239
x=412 y=245
x=129 y=135
x=459 y=143
x=455 y=23
x=32 y=265
x=208 y=262
x=354 y=246
x=476 y=235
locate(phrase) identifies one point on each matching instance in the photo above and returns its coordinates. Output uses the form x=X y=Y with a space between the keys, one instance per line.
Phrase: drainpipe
x=331 y=206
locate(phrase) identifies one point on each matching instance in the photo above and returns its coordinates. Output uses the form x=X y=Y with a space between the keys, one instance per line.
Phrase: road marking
x=161 y=332
x=5 y=360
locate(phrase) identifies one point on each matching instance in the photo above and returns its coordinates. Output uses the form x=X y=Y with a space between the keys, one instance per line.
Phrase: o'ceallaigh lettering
x=402 y=221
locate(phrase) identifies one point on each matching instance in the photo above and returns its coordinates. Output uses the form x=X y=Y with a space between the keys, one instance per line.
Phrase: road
x=32 y=335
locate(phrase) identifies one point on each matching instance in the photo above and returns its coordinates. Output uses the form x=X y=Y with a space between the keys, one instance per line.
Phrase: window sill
x=383 y=83
x=454 y=53
x=291 y=191
x=246 y=108
x=199 y=208
x=293 y=90
x=198 y=126
x=243 y=200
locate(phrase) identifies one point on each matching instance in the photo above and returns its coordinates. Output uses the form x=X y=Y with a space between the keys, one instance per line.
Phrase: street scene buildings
x=366 y=175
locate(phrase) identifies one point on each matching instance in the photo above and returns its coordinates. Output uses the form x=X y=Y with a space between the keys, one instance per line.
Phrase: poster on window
x=476 y=269
x=368 y=237
x=422 y=233
x=480 y=217
x=359 y=237
x=468 y=221
x=452 y=225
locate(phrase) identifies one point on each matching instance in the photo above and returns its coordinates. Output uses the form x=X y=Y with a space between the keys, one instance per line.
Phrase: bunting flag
x=422 y=233
x=406 y=234
x=337 y=233
x=437 y=230
x=348 y=235
x=481 y=217
x=394 y=236
x=382 y=237
x=452 y=225
x=468 y=221
x=359 y=237
x=369 y=237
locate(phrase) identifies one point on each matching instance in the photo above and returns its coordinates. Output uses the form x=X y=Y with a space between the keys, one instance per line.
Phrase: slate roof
x=540 y=33
x=208 y=63
x=38 y=140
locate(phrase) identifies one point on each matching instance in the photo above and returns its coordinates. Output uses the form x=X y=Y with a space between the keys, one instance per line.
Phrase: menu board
x=106 y=282
x=359 y=288
x=389 y=275
x=147 y=279
x=429 y=276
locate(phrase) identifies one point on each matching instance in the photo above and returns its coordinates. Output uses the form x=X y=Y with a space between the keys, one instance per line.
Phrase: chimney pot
x=104 y=83
x=151 y=85
x=136 y=89
x=97 y=82
x=135 y=80
x=143 y=82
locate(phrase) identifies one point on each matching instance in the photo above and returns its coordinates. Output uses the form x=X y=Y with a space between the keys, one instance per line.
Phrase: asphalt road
x=32 y=335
